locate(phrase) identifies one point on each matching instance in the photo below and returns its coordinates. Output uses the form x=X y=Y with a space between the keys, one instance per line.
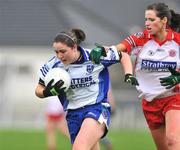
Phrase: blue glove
x=53 y=90
x=129 y=78
x=171 y=80
x=96 y=53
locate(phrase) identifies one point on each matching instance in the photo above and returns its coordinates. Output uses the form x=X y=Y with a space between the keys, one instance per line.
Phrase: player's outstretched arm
x=99 y=50
x=127 y=66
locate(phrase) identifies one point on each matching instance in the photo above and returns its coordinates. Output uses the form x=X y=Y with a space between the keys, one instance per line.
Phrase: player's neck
x=161 y=36
x=78 y=58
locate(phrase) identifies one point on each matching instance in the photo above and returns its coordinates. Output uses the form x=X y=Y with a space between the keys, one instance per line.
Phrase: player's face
x=153 y=23
x=66 y=54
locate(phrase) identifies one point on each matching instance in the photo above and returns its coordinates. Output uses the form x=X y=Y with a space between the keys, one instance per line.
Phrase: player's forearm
x=126 y=63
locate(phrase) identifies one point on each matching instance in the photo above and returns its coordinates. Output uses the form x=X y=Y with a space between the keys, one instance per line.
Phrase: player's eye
x=60 y=51
x=56 y=51
x=149 y=19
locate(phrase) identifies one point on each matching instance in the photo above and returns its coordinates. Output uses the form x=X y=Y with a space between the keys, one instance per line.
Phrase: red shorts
x=55 y=117
x=155 y=110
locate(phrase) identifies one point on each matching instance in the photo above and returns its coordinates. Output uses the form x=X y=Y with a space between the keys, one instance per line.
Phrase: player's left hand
x=53 y=90
x=129 y=78
x=172 y=80
x=96 y=53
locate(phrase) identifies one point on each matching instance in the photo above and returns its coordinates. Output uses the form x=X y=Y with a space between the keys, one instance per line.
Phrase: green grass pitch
x=31 y=139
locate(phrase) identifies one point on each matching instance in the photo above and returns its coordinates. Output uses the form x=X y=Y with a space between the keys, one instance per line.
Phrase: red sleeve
x=135 y=40
x=177 y=37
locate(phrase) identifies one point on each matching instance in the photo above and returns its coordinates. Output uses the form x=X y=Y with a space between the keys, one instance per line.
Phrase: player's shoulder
x=86 y=50
x=53 y=61
x=141 y=35
x=85 y=53
x=176 y=37
x=138 y=38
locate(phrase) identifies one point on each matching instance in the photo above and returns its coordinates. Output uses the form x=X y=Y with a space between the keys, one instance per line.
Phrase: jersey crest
x=90 y=68
x=172 y=53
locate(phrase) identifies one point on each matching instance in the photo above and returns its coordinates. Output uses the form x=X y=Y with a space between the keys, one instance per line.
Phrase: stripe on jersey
x=56 y=64
x=44 y=70
x=85 y=54
x=134 y=44
x=130 y=41
x=51 y=58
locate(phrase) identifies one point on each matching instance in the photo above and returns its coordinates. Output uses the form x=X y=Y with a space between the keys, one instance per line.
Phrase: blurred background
x=27 y=28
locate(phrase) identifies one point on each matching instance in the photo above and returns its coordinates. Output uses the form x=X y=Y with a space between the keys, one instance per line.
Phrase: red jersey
x=153 y=59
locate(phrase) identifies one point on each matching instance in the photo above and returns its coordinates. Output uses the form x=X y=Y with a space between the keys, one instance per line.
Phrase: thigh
x=172 y=118
x=159 y=137
x=173 y=122
x=96 y=147
x=173 y=129
x=90 y=133
x=98 y=114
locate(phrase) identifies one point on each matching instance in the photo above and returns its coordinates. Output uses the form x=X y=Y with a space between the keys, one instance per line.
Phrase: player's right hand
x=96 y=53
x=129 y=78
x=53 y=90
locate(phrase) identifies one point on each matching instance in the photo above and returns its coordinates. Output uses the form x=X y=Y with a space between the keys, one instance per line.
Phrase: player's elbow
x=39 y=92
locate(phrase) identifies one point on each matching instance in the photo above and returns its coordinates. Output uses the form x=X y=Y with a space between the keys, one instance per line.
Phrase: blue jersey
x=90 y=82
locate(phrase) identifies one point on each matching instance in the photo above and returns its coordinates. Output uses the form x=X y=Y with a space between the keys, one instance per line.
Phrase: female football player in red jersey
x=158 y=50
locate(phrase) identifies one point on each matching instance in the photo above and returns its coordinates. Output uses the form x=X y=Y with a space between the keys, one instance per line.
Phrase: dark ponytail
x=80 y=35
x=175 y=21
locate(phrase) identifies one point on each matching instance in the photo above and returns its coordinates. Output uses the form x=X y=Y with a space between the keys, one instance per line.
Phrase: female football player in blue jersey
x=88 y=111
x=158 y=50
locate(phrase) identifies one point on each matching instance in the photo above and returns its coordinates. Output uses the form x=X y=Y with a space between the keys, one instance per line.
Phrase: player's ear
x=74 y=47
x=165 y=20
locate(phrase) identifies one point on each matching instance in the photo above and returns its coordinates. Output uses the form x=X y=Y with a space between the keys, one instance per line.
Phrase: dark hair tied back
x=80 y=35
x=175 y=21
